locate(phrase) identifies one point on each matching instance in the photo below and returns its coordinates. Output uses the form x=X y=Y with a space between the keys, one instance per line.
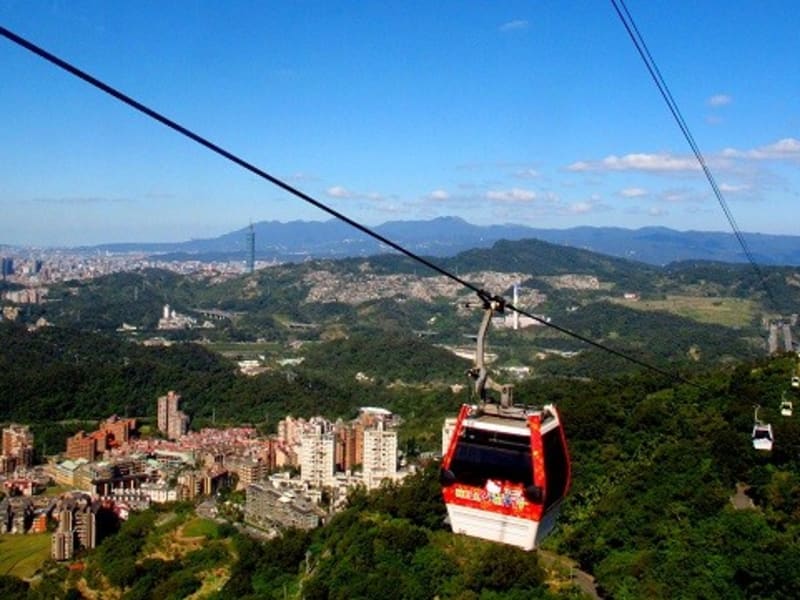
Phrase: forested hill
x=540 y=257
x=695 y=312
x=655 y=465
x=82 y=375
x=105 y=301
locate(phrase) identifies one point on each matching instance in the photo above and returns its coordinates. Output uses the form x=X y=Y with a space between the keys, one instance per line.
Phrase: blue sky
x=538 y=113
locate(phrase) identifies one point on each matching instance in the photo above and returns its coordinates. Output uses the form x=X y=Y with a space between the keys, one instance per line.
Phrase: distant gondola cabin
x=762 y=437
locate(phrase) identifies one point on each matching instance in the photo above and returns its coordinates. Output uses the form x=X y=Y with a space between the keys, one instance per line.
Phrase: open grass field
x=730 y=312
x=56 y=490
x=201 y=527
x=23 y=555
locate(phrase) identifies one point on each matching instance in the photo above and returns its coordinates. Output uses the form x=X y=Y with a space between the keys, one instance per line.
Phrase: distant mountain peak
x=449 y=235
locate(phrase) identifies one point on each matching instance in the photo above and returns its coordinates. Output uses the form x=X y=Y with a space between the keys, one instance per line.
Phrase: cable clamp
x=496 y=303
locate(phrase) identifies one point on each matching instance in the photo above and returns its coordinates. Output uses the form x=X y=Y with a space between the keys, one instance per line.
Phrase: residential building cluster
x=37 y=267
x=18 y=476
x=332 y=458
x=31 y=295
x=111 y=433
x=364 y=449
x=23 y=515
x=172 y=320
x=113 y=471
x=268 y=506
x=83 y=522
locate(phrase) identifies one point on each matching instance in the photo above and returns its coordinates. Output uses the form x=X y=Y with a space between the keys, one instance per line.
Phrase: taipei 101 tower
x=251 y=249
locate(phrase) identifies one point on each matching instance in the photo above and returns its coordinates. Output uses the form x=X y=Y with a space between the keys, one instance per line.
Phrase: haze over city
x=534 y=113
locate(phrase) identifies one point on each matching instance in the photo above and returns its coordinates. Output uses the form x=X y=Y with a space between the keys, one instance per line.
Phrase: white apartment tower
x=318 y=454
x=380 y=454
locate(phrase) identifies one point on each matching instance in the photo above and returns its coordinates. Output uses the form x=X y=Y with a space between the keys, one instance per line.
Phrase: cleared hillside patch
x=730 y=312
x=23 y=555
x=199 y=527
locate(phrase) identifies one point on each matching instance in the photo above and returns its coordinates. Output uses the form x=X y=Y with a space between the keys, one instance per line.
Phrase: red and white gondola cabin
x=506 y=473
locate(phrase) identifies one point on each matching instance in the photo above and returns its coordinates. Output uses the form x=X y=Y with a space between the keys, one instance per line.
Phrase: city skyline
x=538 y=114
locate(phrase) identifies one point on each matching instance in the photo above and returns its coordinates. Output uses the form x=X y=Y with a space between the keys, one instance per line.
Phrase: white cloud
x=788 y=148
x=512 y=195
x=657 y=211
x=633 y=192
x=581 y=165
x=720 y=100
x=514 y=25
x=550 y=197
x=674 y=197
x=682 y=196
x=393 y=208
x=338 y=191
x=730 y=188
x=638 y=162
x=439 y=195
x=784 y=149
x=580 y=208
x=593 y=204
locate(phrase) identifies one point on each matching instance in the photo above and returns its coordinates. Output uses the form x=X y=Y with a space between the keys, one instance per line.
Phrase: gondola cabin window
x=483 y=455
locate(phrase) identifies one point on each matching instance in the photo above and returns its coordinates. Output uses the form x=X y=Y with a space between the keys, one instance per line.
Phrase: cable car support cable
x=663 y=88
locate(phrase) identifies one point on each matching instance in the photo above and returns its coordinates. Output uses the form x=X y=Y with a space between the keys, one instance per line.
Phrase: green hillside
x=650 y=515
x=392 y=292
x=542 y=258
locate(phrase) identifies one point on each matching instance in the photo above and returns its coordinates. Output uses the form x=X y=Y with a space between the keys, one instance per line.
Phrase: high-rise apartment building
x=62 y=545
x=15 y=438
x=81 y=445
x=18 y=444
x=318 y=454
x=82 y=523
x=171 y=422
x=290 y=430
x=368 y=444
x=86 y=527
x=7 y=266
x=117 y=430
x=247 y=470
x=380 y=454
x=349 y=446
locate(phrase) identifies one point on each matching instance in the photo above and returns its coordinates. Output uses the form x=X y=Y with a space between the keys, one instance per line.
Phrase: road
x=582 y=579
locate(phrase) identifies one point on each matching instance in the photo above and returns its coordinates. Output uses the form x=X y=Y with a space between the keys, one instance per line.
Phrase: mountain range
x=447 y=236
